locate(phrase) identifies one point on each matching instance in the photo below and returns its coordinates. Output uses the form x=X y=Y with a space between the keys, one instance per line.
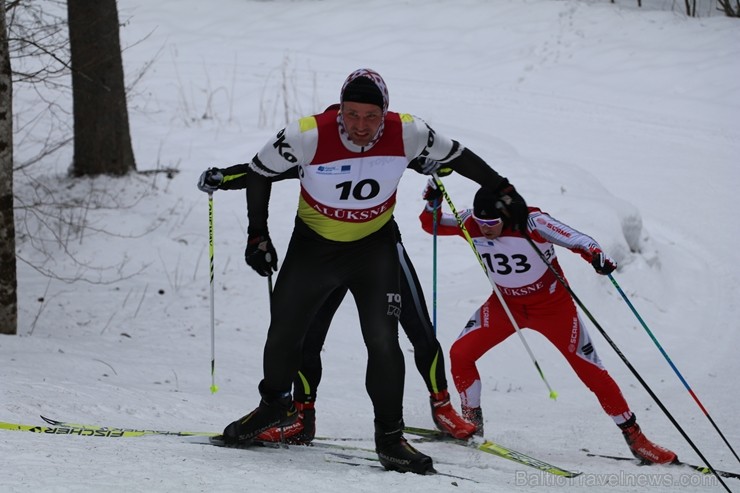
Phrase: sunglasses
x=488 y=222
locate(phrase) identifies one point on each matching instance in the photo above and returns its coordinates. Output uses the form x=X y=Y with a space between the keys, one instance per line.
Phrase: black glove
x=260 y=255
x=432 y=193
x=210 y=179
x=512 y=206
x=602 y=264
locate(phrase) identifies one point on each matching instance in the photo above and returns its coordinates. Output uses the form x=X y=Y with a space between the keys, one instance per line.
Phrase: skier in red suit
x=537 y=300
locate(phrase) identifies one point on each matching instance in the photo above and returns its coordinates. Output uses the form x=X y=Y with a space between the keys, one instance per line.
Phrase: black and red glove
x=432 y=194
x=601 y=263
x=260 y=255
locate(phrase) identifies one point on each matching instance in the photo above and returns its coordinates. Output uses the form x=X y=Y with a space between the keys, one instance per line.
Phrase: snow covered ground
x=620 y=121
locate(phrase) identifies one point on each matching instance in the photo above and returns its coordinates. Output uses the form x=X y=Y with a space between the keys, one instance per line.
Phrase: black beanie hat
x=363 y=90
x=484 y=204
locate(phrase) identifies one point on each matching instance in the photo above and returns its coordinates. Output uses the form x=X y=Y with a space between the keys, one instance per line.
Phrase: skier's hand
x=601 y=263
x=512 y=206
x=428 y=166
x=432 y=194
x=260 y=255
x=210 y=179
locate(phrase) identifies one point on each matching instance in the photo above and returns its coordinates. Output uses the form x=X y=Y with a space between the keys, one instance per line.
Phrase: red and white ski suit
x=536 y=300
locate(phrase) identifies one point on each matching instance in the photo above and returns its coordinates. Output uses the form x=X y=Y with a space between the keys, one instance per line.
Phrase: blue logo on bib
x=323 y=169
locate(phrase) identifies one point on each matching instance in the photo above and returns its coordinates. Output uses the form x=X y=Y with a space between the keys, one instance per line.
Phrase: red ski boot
x=299 y=433
x=446 y=418
x=642 y=448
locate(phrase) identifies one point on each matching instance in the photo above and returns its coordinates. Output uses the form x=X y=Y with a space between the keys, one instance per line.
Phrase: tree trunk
x=102 y=141
x=8 y=280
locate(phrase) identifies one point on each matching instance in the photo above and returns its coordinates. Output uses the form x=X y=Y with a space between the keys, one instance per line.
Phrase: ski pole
x=268 y=259
x=214 y=387
x=438 y=181
x=435 y=222
x=269 y=288
x=625 y=361
x=670 y=362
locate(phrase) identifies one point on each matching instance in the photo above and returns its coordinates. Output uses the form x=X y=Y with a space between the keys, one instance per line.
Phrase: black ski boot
x=396 y=454
x=275 y=409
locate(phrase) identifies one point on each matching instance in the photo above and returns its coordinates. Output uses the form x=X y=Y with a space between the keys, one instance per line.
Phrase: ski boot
x=396 y=454
x=446 y=418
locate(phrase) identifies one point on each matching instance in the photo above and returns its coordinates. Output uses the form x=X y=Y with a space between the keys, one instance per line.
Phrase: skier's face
x=362 y=121
x=491 y=228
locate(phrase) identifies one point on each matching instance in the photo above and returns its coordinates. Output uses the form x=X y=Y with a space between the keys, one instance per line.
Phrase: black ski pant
x=313 y=269
x=415 y=322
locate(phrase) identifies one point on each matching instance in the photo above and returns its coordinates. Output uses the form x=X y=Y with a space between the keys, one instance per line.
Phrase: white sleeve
x=560 y=233
x=289 y=148
x=419 y=139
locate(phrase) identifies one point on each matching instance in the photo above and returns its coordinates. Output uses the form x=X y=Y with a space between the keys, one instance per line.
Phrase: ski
x=332 y=447
x=72 y=430
x=129 y=432
x=373 y=462
x=697 y=468
x=56 y=427
x=142 y=432
x=493 y=448
x=343 y=454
